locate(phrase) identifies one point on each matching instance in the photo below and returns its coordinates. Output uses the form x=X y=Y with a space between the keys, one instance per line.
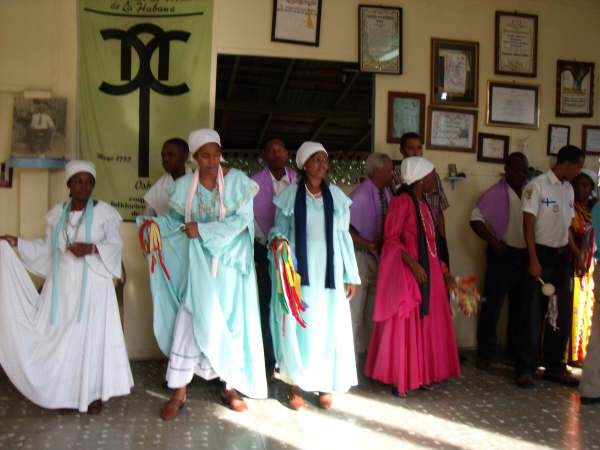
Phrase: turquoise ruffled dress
x=225 y=311
x=319 y=357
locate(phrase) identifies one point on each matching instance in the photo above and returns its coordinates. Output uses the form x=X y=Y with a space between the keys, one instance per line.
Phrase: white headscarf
x=593 y=176
x=414 y=169
x=306 y=150
x=76 y=166
x=200 y=137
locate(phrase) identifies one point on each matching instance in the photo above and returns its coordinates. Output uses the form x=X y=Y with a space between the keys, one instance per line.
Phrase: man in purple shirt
x=272 y=180
x=370 y=202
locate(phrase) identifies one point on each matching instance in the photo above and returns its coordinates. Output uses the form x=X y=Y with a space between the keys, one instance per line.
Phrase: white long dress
x=71 y=363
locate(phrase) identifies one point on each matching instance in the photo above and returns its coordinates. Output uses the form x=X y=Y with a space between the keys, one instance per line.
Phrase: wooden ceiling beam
x=360 y=141
x=263 y=132
x=234 y=71
x=347 y=87
x=319 y=129
x=294 y=110
x=284 y=81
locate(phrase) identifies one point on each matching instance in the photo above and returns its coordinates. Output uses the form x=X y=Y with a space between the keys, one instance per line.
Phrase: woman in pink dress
x=412 y=344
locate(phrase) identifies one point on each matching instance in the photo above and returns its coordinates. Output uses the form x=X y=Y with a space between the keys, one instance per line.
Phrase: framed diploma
x=574 y=89
x=558 y=137
x=380 y=39
x=516 y=44
x=590 y=139
x=451 y=129
x=492 y=148
x=454 y=72
x=513 y=105
x=296 y=22
x=406 y=112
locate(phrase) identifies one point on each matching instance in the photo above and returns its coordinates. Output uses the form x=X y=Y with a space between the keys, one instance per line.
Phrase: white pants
x=361 y=306
x=185 y=358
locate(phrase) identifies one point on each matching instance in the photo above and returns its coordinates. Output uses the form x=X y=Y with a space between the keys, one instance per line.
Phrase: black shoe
x=589 y=400
x=482 y=363
x=564 y=378
x=525 y=381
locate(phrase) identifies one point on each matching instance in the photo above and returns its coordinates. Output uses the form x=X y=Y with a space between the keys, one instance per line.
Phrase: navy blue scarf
x=300 y=225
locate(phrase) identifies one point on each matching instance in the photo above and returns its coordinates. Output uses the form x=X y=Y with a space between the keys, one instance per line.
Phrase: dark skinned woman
x=64 y=348
x=314 y=218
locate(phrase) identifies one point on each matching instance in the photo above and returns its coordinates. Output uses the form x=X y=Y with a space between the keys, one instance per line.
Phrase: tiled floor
x=479 y=410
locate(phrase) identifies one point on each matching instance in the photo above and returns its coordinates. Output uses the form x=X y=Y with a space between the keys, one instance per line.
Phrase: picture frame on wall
x=513 y=105
x=516 y=44
x=451 y=129
x=296 y=23
x=574 y=89
x=590 y=139
x=406 y=113
x=380 y=39
x=492 y=148
x=454 y=72
x=558 y=137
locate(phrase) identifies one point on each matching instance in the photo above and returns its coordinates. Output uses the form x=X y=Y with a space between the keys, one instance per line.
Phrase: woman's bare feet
x=233 y=399
x=295 y=399
x=325 y=399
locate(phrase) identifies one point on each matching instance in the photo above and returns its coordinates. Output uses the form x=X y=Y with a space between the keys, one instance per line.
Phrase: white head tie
x=76 y=166
x=306 y=150
x=414 y=169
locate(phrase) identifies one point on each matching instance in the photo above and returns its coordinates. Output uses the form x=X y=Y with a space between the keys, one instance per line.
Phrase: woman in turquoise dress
x=314 y=219
x=206 y=316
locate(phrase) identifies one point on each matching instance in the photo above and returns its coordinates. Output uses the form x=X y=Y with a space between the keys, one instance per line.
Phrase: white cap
x=593 y=175
x=414 y=169
x=76 y=166
x=306 y=150
x=202 y=136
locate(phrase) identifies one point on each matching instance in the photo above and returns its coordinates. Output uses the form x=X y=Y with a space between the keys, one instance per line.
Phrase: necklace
x=76 y=225
x=316 y=196
x=429 y=228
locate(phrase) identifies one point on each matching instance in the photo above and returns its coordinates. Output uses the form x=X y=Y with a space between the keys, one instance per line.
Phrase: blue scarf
x=300 y=225
x=89 y=219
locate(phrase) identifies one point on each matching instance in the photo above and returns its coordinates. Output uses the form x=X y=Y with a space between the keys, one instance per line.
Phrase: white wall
x=38 y=50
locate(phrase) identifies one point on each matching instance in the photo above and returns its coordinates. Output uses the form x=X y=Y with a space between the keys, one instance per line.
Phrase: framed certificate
x=296 y=22
x=492 y=148
x=558 y=137
x=590 y=139
x=513 y=105
x=451 y=129
x=406 y=112
x=454 y=72
x=574 y=89
x=380 y=39
x=516 y=44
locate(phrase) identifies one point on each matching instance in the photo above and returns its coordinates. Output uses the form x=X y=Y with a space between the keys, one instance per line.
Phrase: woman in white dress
x=64 y=348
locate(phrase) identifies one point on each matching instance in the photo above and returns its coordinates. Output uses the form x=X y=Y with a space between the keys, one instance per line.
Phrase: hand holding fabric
x=191 y=230
x=80 y=249
x=12 y=240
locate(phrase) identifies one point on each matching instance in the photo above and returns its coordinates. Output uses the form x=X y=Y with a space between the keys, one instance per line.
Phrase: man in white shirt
x=272 y=180
x=498 y=221
x=548 y=209
x=174 y=155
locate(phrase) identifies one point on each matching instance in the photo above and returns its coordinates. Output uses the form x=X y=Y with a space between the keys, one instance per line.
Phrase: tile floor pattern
x=478 y=410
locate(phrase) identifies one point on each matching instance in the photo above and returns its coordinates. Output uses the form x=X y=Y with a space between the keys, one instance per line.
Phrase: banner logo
x=144 y=80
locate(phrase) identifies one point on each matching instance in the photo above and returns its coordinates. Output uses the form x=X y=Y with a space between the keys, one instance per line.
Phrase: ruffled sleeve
x=397 y=288
x=341 y=211
x=284 y=202
x=239 y=194
x=107 y=261
x=36 y=254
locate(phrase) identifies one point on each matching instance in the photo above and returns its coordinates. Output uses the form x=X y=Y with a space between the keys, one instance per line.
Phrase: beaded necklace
x=429 y=228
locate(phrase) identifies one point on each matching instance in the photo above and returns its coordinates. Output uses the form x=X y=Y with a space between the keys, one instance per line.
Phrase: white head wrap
x=306 y=150
x=593 y=175
x=76 y=166
x=414 y=169
x=200 y=137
